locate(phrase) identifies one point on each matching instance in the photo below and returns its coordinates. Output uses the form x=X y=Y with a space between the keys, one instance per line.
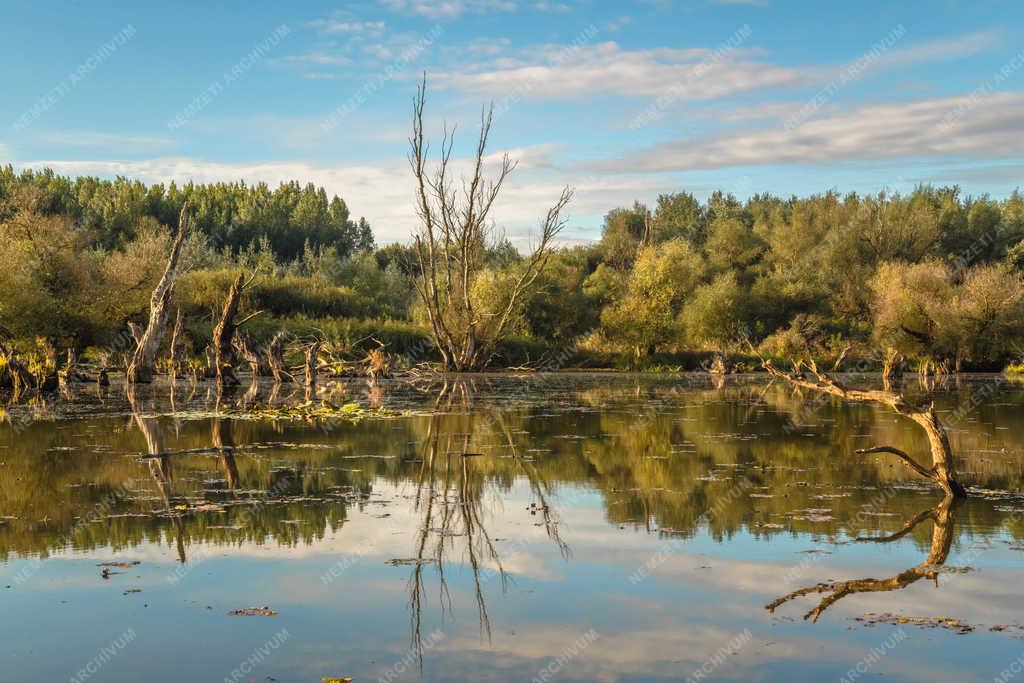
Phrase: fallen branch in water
x=943 y=469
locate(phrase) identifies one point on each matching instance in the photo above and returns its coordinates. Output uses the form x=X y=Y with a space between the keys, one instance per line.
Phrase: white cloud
x=546 y=6
x=608 y=68
x=319 y=76
x=942 y=49
x=107 y=141
x=370 y=28
x=447 y=9
x=993 y=128
x=318 y=58
x=580 y=71
x=383 y=191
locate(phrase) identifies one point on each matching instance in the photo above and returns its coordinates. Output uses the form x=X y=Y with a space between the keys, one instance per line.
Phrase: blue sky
x=624 y=100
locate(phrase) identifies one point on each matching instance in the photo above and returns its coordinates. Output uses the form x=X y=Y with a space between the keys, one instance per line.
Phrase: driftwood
x=224 y=331
x=943 y=469
x=275 y=358
x=141 y=367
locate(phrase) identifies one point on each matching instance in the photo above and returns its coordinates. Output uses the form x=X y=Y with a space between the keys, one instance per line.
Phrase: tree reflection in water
x=944 y=517
x=451 y=495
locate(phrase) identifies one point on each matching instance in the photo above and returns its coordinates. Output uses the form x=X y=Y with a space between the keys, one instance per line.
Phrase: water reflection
x=942 y=515
x=617 y=468
x=451 y=502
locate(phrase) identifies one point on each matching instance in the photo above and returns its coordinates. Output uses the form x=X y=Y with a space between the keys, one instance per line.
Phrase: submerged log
x=943 y=469
x=141 y=366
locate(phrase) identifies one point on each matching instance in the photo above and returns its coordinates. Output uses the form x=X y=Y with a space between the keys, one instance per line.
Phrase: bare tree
x=140 y=369
x=224 y=331
x=451 y=239
x=943 y=469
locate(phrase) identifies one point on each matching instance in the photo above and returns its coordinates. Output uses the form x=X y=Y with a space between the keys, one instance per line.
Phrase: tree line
x=932 y=275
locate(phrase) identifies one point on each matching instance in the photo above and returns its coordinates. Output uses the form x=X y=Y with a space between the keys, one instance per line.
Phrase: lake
x=569 y=527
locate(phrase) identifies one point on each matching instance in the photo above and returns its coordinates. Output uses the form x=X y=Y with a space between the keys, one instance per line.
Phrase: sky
x=621 y=100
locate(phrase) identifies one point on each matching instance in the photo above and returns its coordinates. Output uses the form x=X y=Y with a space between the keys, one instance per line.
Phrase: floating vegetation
x=312 y=410
x=253 y=612
x=410 y=561
x=949 y=623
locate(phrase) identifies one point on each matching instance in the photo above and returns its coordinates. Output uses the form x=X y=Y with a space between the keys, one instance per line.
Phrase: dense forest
x=933 y=275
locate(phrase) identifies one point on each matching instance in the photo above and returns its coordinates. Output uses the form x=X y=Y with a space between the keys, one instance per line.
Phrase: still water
x=552 y=528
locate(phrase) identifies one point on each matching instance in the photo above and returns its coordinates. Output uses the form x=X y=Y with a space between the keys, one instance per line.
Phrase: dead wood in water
x=943 y=469
x=251 y=355
x=224 y=331
x=176 y=350
x=275 y=358
x=141 y=367
x=312 y=352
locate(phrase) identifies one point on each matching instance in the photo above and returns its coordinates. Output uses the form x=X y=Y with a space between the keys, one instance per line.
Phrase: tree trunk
x=892 y=368
x=311 y=368
x=211 y=363
x=251 y=354
x=140 y=369
x=224 y=332
x=275 y=358
x=176 y=352
x=943 y=470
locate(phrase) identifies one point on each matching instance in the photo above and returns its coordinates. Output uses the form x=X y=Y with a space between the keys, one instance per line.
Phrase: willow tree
x=450 y=245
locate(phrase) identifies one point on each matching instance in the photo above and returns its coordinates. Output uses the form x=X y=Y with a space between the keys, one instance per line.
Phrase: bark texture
x=141 y=367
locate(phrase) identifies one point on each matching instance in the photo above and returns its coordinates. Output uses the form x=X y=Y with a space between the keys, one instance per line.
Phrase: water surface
x=551 y=527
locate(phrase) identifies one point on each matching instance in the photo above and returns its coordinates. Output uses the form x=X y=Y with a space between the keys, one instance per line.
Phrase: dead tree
x=450 y=241
x=943 y=469
x=275 y=358
x=377 y=364
x=892 y=368
x=312 y=352
x=251 y=355
x=70 y=374
x=224 y=331
x=176 y=350
x=141 y=367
